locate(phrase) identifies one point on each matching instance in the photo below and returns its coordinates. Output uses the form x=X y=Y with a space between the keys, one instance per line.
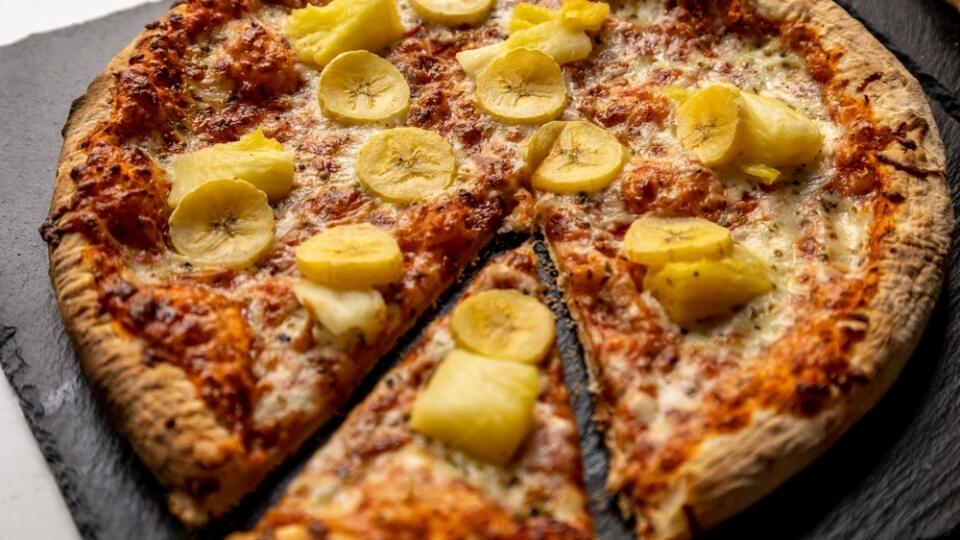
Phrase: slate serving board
x=895 y=475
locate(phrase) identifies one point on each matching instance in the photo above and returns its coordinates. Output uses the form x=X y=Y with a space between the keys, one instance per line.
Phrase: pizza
x=380 y=477
x=744 y=202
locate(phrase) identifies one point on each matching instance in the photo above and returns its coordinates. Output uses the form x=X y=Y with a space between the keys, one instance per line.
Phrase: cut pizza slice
x=451 y=443
x=731 y=319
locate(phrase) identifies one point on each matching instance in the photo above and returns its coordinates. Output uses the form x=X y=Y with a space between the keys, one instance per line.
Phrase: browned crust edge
x=731 y=472
x=156 y=407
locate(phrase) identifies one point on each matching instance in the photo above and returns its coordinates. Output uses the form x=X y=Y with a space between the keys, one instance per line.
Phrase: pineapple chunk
x=318 y=34
x=343 y=311
x=563 y=43
x=255 y=159
x=481 y=406
x=767 y=175
x=694 y=291
x=577 y=14
x=776 y=135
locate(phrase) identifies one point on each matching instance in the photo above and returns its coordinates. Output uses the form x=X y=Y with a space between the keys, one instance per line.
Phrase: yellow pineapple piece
x=341 y=311
x=694 y=291
x=318 y=34
x=254 y=158
x=767 y=175
x=563 y=43
x=577 y=14
x=776 y=135
x=661 y=240
x=479 y=405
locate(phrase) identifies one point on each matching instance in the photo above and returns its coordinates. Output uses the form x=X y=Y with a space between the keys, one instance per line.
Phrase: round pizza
x=743 y=203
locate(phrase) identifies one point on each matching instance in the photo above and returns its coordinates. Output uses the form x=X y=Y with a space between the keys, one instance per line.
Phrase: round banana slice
x=351 y=257
x=657 y=240
x=504 y=324
x=359 y=86
x=406 y=164
x=222 y=223
x=453 y=11
x=584 y=157
x=524 y=86
x=541 y=142
x=709 y=124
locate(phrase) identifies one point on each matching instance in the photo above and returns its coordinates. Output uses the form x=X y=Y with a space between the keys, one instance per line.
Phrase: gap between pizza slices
x=255 y=200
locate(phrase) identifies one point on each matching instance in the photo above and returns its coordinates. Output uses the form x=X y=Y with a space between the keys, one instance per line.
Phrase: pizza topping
x=359 y=86
x=351 y=257
x=504 y=324
x=318 y=34
x=453 y=11
x=694 y=291
x=578 y=14
x=776 y=135
x=563 y=43
x=341 y=312
x=541 y=142
x=406 y=164
x=709 y=124
x=223 y=223
x=255 y=158
x=583 y=157
x=722 y=124
x=481 y=406
x=655 y=240
x=524 y=86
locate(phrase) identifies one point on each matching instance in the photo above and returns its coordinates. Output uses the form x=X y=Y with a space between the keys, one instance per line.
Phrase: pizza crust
x=731 y=472
x=156 y=407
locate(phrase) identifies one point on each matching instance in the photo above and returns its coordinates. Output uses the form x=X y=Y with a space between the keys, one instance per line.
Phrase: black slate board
x=895 y=475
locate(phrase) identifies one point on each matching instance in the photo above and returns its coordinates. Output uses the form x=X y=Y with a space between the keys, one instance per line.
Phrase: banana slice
x=406 y=164
x=318 y=34
x=341 y=312
x=453 y=11
x=563 y=43
x=657 y=240
x=254 y=158
x=777 y=135
x=524 y=86
x=359 y=86
x=584 y=157
x=222 y=223
x=351 y=257
x=709 y=124
x=542 y=141
x=504 y=324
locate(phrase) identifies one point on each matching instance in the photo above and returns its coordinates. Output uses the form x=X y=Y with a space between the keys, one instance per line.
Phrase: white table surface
x=30 y=503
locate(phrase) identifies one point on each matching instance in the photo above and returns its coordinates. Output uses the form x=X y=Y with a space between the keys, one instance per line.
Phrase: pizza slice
x=470 y=436
x=235 y=241
x=739 y=226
